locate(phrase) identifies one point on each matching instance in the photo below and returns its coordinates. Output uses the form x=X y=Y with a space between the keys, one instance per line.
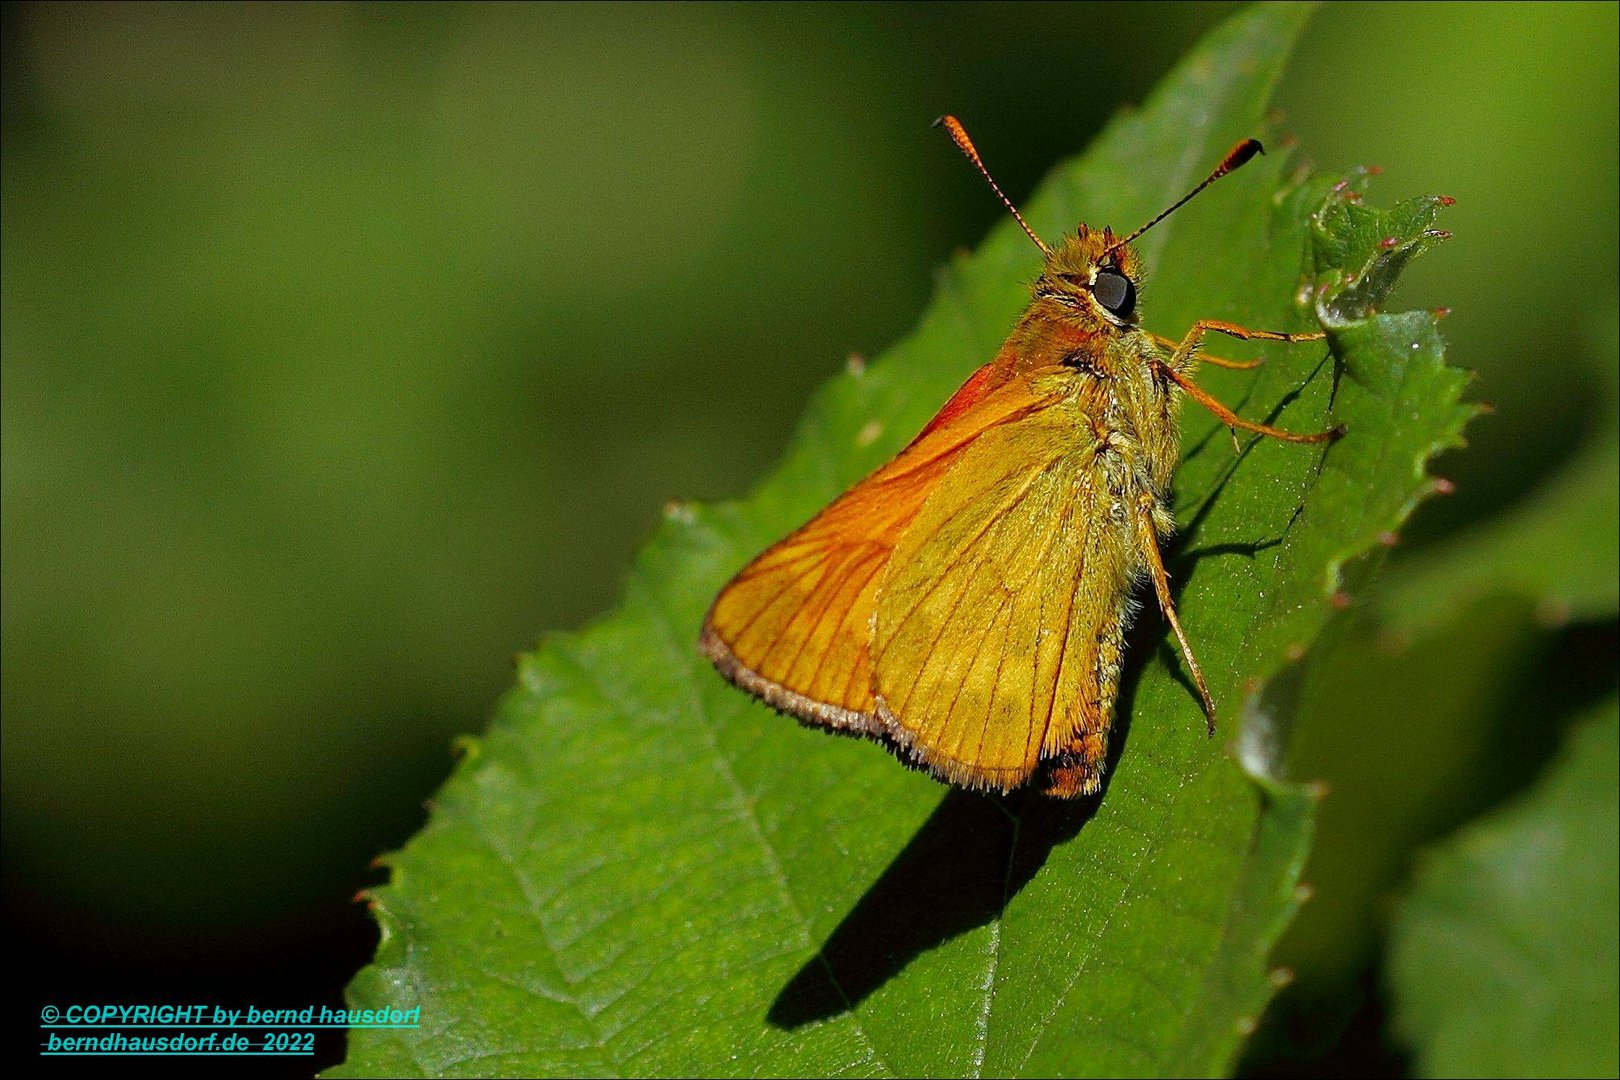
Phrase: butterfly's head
x=1093 y=279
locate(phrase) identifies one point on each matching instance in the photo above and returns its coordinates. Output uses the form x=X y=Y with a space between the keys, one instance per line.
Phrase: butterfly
x=966 y=604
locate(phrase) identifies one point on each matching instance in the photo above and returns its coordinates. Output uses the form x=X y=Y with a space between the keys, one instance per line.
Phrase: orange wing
x=998 y=626
x=794 y=627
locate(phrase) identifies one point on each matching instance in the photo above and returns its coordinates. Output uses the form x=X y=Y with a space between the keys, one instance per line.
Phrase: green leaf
x=642 y=871
x=1504 y=956
x=1408 y=757
x=1555 y=547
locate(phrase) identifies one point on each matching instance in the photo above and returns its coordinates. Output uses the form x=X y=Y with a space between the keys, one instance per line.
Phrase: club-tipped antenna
x=960 y=137
x=1238 y=155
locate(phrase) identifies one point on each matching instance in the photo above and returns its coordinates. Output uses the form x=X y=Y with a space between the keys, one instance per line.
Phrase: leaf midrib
x=1177 y=181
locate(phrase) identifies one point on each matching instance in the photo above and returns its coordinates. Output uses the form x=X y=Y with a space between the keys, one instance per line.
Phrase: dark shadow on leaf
x=1170 y=657
x=1293 y=394
x=1236 y=406
x=957 y=873
x=1205 y=501
x=1187 y=559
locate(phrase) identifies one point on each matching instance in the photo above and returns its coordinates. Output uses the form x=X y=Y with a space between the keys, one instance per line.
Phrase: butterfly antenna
x=965 y=144
x=1238 y=155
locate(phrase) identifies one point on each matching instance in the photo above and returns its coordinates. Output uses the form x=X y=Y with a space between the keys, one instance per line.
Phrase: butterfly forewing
x=794 y=627
x=987 y=654
x=794 y=621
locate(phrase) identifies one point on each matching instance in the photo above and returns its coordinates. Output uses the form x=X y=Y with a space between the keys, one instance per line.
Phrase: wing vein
x=1011 y=504
x=978 y=650
x=870 y=556
x=804 y=641
x=1001 y=662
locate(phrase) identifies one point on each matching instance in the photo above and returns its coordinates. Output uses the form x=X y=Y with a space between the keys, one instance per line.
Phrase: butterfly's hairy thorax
x=1127 y=408
x=1140 y=417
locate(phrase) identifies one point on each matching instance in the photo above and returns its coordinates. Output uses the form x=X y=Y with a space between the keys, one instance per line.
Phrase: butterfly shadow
x=958 y=872
x=1201 y=504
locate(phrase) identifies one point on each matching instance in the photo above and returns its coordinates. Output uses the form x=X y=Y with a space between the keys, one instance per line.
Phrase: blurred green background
x=346 y=349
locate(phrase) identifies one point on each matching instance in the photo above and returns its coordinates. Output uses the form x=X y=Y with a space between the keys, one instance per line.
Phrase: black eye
x=1114 y=292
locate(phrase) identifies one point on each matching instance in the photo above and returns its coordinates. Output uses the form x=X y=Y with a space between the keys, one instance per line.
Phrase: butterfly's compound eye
x=1115 y=292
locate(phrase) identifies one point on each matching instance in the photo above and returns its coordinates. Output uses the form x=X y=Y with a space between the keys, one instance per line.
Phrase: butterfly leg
x=1148 y=536
x=1181 y=361
x=1233 y=420
x=1235 y=365
x=1181 y=357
